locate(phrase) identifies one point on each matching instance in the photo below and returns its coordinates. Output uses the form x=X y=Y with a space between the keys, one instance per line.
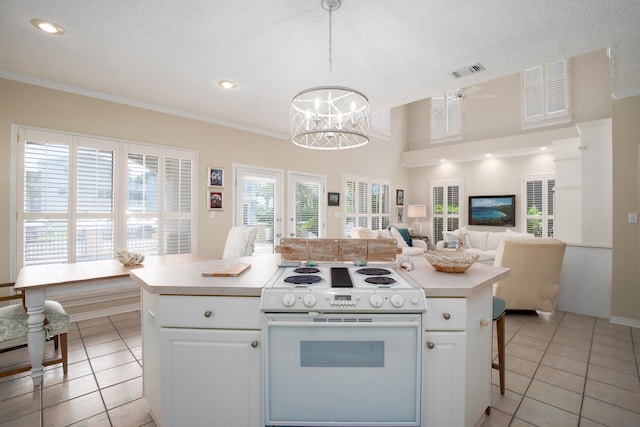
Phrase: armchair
x=240 y=242
x=535 y=265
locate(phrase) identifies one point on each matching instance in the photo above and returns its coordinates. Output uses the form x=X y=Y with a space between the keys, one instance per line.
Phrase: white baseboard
x=625 y=321
x=86 y=315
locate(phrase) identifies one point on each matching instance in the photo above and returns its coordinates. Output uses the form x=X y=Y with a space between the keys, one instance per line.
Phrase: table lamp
x=417 y=211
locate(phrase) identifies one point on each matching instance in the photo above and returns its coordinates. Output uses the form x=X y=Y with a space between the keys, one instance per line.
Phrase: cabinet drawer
x=209 y=312
x=445 y=314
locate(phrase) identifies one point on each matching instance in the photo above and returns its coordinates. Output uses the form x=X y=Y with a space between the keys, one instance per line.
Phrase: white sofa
x=418 y=247
x=484 y=243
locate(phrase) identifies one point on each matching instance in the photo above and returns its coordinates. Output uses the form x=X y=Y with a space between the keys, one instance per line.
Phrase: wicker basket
x=451 y=261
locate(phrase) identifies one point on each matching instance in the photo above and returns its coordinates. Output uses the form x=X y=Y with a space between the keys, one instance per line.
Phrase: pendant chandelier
x=330 y=117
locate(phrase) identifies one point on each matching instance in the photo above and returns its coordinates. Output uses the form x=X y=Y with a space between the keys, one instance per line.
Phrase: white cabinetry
x=457 y=363
x=201 y=360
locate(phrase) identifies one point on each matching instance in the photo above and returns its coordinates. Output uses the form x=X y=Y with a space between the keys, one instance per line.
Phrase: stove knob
x=309 y=300
x=397 y=301
x=375 y=300
x=288 y=300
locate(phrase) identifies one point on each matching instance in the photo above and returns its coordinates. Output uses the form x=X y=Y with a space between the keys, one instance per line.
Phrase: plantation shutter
x=437 y=203
x=446 y=116
x=445 y=202
x=67 y=198
x=453 y=207
x=533 y=94
x=438 y=123
x=551 y=206
x=178 y=205
x=143 y=194
x=95 y=227
x=556 y=88
x=454 y=114
x=545 y=92
x=534 y=207
x=539 y=206
x=45 y=198
x=366 y=204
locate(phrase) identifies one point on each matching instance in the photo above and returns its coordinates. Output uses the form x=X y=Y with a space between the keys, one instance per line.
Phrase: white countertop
x=187 y=279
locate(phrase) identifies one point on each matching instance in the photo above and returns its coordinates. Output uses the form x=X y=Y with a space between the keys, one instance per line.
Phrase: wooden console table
x=42 y=281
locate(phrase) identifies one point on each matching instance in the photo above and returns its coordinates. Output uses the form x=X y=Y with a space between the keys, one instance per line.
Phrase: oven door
x=342 y=369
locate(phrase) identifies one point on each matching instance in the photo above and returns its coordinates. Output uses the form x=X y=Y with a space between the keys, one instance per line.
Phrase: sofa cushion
x=493 y=239
x=413 y=251
x=478 y=239
x=363 y=233
x=451 y=237
x=401 y=235
x=384 y=234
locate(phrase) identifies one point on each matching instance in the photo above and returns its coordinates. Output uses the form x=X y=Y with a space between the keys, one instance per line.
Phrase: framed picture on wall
x=400 y=215
x=334 y=199
x=215 y=177
x=399 y=197
x=215 y=199
x=492 y=210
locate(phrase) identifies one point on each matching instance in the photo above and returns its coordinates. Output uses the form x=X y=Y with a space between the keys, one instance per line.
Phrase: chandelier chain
x=330 y=43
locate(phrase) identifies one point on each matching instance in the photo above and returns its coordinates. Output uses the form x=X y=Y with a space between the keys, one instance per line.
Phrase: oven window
x=342 y=354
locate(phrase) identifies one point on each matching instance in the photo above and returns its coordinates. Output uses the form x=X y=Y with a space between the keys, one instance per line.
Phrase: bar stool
x=499 y=308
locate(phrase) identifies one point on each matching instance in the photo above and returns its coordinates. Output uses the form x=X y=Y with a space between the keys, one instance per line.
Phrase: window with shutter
x=539 y=204
x=366 y=203
x=178 y=204
x=68 y=205
x=546 y=94
x=446 y=117
x=446 y=207
x=381 y=124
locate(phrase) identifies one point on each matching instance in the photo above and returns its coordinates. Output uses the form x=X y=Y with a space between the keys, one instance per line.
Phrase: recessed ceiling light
x=488 y=155
x=543 y=148
x=227 y=84
x=443 y=160
x=47 y=26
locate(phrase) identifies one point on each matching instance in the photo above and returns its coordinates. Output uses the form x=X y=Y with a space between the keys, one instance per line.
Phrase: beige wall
x=626 y=195
x=30 y=105
x=487 y=177
x=498 y=117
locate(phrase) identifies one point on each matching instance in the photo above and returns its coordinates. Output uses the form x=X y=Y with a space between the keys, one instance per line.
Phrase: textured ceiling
x=167 y=55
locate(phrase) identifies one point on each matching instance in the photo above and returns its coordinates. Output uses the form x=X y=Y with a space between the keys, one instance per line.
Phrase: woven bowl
x=451 y=261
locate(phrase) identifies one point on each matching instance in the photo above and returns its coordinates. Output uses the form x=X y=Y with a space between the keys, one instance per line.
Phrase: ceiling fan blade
x=469 y=91
x=488 y=95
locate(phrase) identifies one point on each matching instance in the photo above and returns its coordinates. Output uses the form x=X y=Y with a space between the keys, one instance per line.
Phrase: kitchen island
x=202 y=342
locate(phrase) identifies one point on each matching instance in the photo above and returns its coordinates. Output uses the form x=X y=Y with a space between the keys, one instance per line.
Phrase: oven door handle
x=377 y=324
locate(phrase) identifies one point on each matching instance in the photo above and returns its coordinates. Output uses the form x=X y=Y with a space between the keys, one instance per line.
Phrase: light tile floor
x=103 y=386
x=562 y=370
x=567 y=369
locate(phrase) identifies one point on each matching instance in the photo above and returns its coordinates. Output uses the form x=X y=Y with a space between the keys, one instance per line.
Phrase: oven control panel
x=281 y=299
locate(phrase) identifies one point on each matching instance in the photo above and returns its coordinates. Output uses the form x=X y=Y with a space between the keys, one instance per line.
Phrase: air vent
x=465 y=71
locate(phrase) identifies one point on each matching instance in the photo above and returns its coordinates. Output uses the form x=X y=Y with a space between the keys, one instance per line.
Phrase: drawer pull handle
x=208 y=313
x=484 y=322
x=446 y=316
x=431 y=345
x=254 y=344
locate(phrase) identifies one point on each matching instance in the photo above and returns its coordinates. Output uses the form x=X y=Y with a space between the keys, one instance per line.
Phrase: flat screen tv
x=492 y=210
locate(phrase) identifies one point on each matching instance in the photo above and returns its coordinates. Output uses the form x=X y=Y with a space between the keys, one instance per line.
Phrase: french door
x=258 y=203
x=306 y=210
